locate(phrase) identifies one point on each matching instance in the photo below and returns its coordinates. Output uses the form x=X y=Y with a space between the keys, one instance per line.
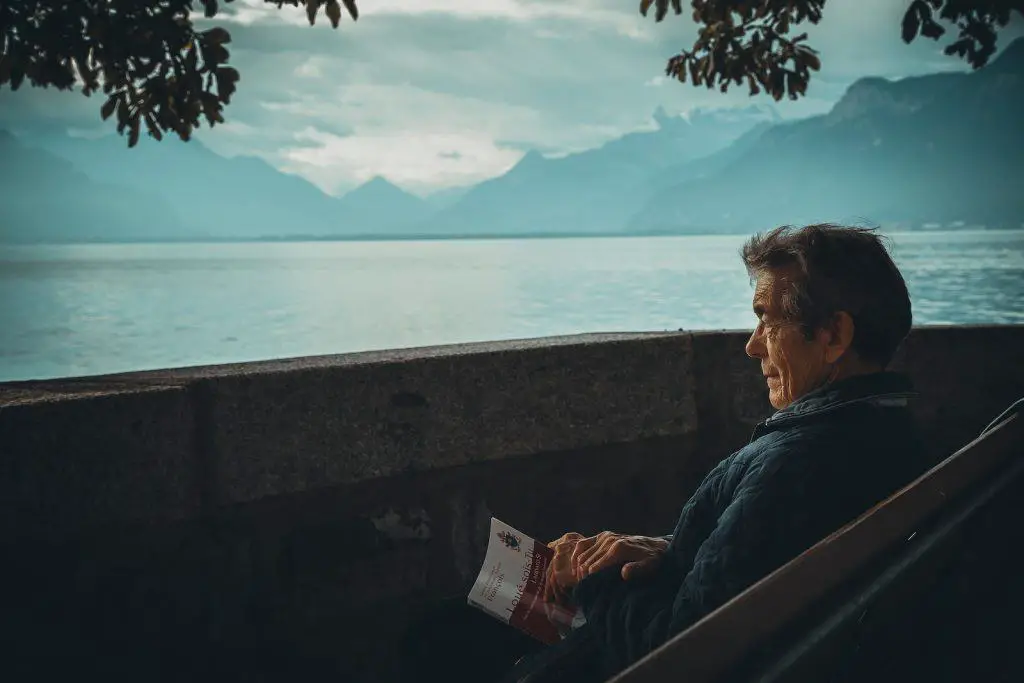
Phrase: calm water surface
x=84 y=310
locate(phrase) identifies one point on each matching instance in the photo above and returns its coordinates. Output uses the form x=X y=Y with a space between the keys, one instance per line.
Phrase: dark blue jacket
x=808 y=470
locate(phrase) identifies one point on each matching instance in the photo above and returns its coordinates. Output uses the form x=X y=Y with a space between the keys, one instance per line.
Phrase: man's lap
x=455 y=642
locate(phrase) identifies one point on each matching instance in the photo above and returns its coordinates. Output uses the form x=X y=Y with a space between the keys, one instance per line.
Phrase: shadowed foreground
x=288 y=519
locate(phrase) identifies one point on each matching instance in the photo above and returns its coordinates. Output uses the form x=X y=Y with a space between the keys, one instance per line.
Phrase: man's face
x=791 y=364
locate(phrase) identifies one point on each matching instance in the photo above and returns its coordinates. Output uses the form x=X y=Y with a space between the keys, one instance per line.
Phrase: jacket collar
x=879 y=388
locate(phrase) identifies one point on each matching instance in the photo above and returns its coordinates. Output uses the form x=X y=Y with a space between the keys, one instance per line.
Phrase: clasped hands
x=577 y=556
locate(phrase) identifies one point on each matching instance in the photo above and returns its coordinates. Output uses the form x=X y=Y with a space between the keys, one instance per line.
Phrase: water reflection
x=77 y=310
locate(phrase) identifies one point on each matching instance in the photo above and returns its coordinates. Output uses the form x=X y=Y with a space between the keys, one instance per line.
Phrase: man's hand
x=638 y=555
x=560 y=576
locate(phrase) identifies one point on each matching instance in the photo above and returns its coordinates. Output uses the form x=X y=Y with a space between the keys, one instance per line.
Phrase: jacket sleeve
x=753 y=536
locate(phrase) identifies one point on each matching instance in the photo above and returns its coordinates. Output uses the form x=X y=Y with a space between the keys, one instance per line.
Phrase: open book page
x=510 y=586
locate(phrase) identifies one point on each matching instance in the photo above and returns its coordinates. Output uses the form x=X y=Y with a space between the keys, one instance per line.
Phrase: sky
x=433 y=94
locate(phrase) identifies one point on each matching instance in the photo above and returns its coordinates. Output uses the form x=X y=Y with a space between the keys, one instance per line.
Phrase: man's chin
x=776 y=398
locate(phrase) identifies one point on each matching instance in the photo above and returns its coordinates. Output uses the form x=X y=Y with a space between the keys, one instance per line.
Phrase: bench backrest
x=710 y=648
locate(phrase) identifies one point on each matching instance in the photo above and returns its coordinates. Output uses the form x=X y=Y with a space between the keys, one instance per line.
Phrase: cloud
x=449 y=140
x=437 y=93
x=417 y=161
x=609 y=14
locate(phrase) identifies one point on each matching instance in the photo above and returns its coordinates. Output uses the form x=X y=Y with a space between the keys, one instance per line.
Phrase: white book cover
x=510 y=586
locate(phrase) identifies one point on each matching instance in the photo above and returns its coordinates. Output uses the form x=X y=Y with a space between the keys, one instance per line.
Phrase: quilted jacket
x=807 y=470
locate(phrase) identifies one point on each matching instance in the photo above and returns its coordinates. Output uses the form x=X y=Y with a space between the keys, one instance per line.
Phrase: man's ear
x=840 y=337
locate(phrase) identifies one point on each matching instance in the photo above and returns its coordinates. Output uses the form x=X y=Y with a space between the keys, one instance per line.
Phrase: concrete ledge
x=106 y=458
x=242 y=432
x=173 y=444
x=282 y=432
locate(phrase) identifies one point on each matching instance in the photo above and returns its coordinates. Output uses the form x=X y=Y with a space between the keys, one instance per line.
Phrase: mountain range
x=935 y=149
x=595 y=191
x=175 y=191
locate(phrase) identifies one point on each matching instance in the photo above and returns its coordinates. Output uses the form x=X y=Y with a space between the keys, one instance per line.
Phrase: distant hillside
x=442 y=199
x=379 y=208
x=237 y=198
x=200 y=195
x=596 y=190
x=44 y=198
x=934 y=149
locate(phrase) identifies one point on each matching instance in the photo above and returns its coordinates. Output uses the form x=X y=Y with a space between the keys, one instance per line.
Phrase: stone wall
x=290 y=517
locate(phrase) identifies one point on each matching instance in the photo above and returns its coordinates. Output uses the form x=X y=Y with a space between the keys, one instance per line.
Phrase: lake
x=102 y=308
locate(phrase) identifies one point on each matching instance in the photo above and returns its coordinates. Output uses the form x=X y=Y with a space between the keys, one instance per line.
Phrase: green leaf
x=226 y=79
x=154 y=128
x=122 y=112
x=754 y=90
x=661 y=9
x=108 y=107
x=911 y=23
x=17 y=75
x=333 y=11
x=931 y=29
x=217 y=36
x=353 y=11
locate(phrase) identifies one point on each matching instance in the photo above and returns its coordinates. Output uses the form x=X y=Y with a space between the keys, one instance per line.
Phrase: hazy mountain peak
x=377 y=185
x=379 y=206
x=1010 y=59
x=532 y=156
x=874 y=94
x=529 y=161
x=379 y=181
x=752 y=113
x=662 y=119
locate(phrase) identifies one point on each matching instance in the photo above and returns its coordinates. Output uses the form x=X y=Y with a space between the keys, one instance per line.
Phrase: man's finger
x=583 y=550
x=565 y=538
x=639 y=569
x=580 y=560
x=593 y=554
x=582 y=546
x=611 y=554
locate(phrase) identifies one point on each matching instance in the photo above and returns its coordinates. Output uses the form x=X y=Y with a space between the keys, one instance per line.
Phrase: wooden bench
x=874 y=558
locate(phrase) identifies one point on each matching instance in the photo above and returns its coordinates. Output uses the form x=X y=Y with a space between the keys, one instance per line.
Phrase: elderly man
x=832 y=309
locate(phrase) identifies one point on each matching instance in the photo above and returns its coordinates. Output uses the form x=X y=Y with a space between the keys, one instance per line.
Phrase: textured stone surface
x=731 y=392
x=282 y=427
x=283 y=432
x=114 y=456
x=155 y=445
x=965 y=376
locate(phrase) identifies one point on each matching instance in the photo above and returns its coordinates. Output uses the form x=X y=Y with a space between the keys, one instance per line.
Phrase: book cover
x=510 y=586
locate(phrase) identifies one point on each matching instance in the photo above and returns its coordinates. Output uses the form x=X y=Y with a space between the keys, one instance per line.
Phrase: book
x=510 y=586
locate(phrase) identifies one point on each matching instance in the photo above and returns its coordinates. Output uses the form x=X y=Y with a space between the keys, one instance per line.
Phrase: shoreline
x=412 y=237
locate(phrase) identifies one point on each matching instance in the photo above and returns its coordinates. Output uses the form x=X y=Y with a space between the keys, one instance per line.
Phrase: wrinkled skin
x=792 y=364
x=577 y=556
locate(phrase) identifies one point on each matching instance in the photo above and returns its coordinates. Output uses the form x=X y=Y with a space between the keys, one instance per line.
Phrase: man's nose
x=755 y=346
